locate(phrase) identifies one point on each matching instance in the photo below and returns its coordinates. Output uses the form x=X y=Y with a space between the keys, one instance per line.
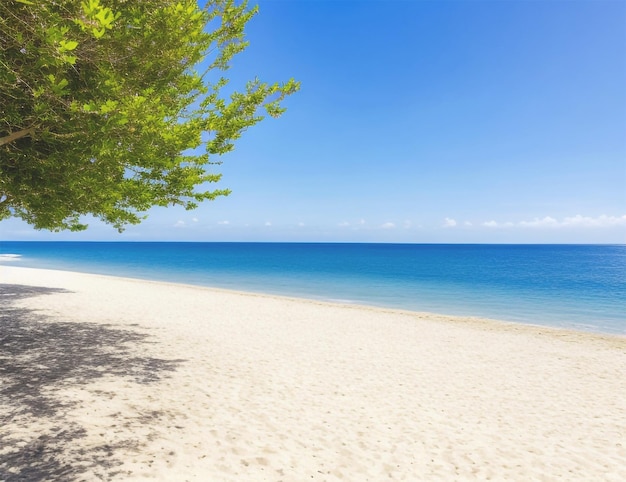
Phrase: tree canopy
x=110 y=107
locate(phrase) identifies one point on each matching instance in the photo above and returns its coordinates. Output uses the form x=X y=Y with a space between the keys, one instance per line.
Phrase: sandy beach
x=107 y=378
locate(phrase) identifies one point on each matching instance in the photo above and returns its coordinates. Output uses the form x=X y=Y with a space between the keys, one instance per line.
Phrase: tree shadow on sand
x=41 y=355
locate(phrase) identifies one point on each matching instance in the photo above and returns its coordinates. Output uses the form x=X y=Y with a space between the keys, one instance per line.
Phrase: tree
x=110 y=107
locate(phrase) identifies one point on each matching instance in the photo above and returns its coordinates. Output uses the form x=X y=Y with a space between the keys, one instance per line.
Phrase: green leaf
x=70 y=59
x=67 y=45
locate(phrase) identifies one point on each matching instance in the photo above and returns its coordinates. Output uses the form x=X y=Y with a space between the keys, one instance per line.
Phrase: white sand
x=263 y=388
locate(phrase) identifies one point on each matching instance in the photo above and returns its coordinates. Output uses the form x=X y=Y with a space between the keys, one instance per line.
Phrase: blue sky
x=422 y=121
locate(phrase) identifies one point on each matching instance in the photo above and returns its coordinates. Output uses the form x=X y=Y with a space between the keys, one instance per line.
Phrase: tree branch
x=17 y=135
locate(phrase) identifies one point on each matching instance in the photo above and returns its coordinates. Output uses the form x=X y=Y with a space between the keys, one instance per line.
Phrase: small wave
x=10 y=257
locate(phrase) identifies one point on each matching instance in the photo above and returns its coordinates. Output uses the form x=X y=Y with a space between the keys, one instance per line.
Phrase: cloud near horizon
x=577 y=221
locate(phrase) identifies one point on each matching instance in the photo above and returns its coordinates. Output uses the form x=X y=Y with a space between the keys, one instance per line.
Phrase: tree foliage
x=110 y=107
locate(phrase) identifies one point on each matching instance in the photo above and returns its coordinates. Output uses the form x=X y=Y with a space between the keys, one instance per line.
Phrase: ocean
x=570 y=286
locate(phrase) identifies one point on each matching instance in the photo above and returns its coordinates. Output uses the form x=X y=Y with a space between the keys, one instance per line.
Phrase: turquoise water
x=573 y=286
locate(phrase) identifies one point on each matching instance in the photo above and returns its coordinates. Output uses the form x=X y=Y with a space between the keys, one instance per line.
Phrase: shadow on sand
x=40 y=355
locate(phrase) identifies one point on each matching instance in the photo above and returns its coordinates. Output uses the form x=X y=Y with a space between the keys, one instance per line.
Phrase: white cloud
x=535 y=223
x=343 y=224
x=195 y=220
x=301 y=225
x=267 y=223
x=600 y=221
x=361 y=222
x=449 y=223
x=223 y=222
x=388 y=226
x=577 y=221
x=179 y=224
x=540 y=223
x=467 y=223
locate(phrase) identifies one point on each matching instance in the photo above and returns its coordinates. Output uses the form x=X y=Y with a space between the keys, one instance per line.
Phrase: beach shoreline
x=570 y=287
x=480 y=321
x=161 y=381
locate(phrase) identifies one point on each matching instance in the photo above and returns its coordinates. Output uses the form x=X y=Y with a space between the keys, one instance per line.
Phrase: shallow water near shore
x=570 y=286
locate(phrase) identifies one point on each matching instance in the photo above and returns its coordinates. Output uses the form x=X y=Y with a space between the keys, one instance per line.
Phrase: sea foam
x=10 y=257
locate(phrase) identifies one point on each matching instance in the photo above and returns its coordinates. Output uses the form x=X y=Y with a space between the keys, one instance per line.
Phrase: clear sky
x=422 y=121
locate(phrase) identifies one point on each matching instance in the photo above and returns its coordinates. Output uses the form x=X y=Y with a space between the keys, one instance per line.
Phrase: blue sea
x=571 y=286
